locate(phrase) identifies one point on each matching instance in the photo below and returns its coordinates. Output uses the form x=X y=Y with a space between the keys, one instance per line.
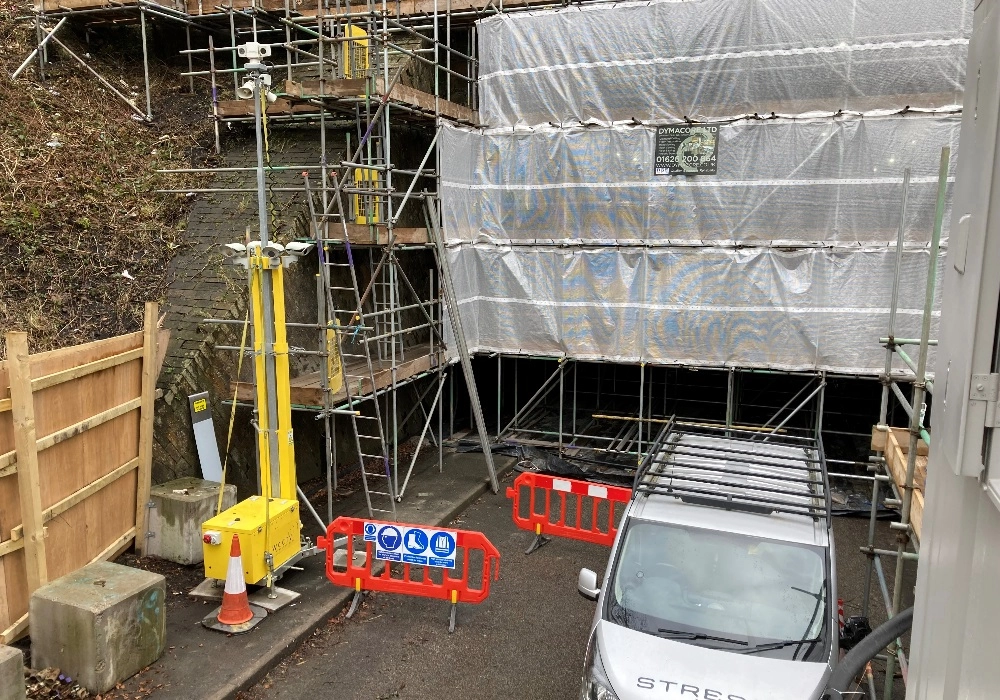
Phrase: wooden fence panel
x=90 y=407
x=9 y=507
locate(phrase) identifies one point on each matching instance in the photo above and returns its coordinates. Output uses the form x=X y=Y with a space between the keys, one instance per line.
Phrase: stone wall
x=203 y=285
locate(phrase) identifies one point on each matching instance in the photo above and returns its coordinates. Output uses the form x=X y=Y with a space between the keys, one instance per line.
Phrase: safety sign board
x=686 y=149
x=412 y=545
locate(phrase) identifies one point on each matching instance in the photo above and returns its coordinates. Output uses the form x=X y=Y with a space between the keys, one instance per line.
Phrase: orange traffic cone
x=235 y=608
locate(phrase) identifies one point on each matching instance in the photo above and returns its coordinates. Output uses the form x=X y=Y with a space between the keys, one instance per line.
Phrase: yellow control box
x=249 y=520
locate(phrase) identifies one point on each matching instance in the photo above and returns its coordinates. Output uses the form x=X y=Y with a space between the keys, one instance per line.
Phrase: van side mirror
x=586 y=584
x=855 y=629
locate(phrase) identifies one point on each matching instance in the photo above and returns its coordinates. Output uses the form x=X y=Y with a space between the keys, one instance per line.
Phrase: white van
x=721 y=581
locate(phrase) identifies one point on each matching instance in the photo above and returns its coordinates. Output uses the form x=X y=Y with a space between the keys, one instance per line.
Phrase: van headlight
x=596 y=685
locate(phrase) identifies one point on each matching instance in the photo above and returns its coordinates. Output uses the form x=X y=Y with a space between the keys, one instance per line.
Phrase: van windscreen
x=722 y=590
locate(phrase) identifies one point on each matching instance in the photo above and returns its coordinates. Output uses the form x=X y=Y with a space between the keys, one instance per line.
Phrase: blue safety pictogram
x=443 y=544
x=419 y=546
x=389 y=537
x=415 y=541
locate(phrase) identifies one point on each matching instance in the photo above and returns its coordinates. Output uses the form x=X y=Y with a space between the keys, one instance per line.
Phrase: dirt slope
x=84 y=238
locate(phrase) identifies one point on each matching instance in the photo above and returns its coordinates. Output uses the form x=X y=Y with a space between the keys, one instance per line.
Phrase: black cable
x=858 y=657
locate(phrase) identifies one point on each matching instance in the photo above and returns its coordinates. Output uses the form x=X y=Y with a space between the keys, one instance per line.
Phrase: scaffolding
x=343 y=67
x=614 y=410
x=888 y=466
x=595 y=424
x=346 y=67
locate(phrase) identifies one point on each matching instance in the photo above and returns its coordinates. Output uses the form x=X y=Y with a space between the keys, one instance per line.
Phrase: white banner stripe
x=561 y=485
x=690 y=183
x=668 y=60
x=646 y=306
x=234 y=577
x=685 y=361
x=482 y=241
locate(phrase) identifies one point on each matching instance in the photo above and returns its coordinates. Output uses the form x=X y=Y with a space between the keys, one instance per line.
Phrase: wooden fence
x=75 y=454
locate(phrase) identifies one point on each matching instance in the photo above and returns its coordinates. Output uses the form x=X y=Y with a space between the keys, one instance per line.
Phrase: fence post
x=25 y=446
x=144 y=472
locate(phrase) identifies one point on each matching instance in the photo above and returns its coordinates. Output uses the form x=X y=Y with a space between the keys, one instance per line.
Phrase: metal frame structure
x=348 y=60
x=315 y=45
x=916 y=410
x=598 y=402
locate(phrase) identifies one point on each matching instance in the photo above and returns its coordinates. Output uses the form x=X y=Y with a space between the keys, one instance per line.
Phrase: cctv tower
x=268 y=525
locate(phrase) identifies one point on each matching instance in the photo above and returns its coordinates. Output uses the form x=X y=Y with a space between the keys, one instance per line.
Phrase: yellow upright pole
x=261 y=265
x=286 y=443
x=258 y=265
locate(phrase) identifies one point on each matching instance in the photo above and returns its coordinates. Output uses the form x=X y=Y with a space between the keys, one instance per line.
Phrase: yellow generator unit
x=268 y=525
x=262 y=526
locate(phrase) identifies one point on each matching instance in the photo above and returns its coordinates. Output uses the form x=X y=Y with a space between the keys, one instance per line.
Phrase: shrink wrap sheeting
x=816 y=308
x=717 y=59
x=563 y=241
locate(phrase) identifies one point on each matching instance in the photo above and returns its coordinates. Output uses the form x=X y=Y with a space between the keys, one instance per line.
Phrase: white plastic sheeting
x=785 y=182
x=700 y=306
x=563 y=242
x=718 y=59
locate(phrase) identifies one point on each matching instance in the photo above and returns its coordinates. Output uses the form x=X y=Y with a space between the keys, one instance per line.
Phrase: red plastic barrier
x=541 y=521
x=361 y=576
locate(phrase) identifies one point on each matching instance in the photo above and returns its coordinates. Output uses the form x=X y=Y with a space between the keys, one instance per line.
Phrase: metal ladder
x=385 y=298
x=371 y=201
x=352 y=334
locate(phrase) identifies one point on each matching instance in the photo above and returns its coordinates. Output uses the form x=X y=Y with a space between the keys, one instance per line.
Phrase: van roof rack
x=748 y=468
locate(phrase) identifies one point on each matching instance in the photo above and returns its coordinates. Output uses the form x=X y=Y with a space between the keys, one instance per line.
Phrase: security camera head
x=236 y=254
x=298 y=248
x=253 y=51
x=273 y=250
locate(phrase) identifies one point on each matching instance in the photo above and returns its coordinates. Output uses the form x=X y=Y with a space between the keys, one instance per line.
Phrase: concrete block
x=100 y=624
x=11 y=674
x=179 y=509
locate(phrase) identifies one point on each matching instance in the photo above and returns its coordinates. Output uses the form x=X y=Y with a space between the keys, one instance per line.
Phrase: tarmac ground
x=527 y=640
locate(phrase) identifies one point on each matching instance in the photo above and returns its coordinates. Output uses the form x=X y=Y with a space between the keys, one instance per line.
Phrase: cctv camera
x=273 y=250
x=253 y=51
x=298 y=248
x=236 y=254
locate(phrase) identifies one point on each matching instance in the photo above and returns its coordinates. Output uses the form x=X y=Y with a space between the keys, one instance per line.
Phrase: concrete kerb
x=293 y=637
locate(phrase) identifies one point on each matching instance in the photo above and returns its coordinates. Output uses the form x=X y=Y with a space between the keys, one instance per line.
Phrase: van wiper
x=682 y=634
x=779 y=645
